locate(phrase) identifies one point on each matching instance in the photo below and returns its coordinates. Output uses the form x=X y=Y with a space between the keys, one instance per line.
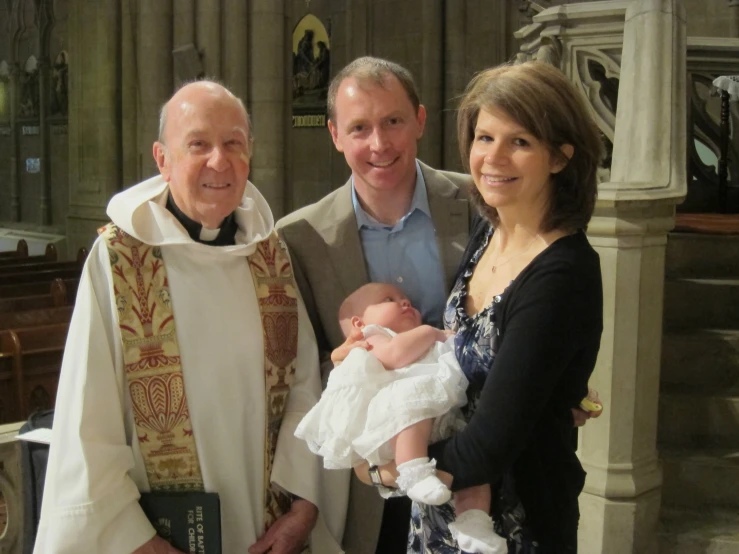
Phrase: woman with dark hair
x=527 y=309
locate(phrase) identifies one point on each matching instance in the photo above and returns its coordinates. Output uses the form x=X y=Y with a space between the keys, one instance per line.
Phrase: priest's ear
x=161 y=157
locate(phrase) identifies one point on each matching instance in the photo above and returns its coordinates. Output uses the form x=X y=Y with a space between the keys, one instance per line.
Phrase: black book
x=190 y=521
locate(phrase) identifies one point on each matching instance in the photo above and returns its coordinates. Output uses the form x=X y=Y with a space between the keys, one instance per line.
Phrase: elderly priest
x=189 y=362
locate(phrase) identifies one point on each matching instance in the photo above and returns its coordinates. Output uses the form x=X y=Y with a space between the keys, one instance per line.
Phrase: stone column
x=268 y=99
x=208 y=33
x=359 y=29
x=455 y=70
x=235 y=47
x=45 y=131
x=94 y=140
x=131 y=154
x=621 y=500
x=183 y=22
x=15 y=190
x=156 y=82
x=734 y=18
x=431 y=82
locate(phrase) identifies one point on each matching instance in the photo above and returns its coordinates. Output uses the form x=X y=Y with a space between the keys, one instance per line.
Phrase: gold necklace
x=497 y=264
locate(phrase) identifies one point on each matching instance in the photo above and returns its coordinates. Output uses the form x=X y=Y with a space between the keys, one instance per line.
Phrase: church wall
x=30 y=183
x=33 y=115
x=709 y=18
x=58 y=115
x=121 y=69
x=25 y=52
x=5 y=41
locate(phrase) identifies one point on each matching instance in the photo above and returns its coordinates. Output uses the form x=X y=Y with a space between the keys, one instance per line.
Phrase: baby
x=387 y=404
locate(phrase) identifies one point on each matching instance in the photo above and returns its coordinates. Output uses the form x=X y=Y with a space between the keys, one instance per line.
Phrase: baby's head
x=379 y=304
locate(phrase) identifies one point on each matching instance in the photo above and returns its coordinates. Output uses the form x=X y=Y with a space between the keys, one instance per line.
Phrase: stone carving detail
x=311 y=72
x=60 y=85
x=4 y=91
x=706 y=130
x=597 y=74
x=28 y=107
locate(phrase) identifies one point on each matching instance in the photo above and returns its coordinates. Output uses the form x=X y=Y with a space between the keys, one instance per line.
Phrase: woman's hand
x=580 y=416
x=354 y=340
x=388 y=474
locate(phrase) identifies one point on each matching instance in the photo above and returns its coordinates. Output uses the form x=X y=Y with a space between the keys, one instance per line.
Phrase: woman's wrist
x=385 y=475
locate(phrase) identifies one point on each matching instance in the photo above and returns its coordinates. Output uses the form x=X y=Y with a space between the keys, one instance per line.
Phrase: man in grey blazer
x=395 y=220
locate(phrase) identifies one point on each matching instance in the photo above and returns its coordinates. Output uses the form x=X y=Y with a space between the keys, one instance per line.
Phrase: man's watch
x=375 y=477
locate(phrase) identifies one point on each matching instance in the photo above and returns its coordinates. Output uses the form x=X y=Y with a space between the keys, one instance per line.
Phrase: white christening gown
x=365 y=405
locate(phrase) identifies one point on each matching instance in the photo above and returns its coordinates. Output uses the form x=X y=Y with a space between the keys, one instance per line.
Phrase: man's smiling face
x=377 y=129
x=205 y=154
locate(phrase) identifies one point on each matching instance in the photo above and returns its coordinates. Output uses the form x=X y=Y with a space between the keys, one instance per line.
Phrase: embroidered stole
x=151 y=359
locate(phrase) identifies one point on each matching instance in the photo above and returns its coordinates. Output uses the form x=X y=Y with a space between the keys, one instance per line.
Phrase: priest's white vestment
x=95 y=469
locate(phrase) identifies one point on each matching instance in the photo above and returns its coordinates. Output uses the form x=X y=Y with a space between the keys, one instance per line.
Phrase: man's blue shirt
x=407 y=254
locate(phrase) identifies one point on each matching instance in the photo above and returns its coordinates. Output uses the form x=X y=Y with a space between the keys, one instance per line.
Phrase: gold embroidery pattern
x=152 y=360
x=278 y=304
x=152 y=363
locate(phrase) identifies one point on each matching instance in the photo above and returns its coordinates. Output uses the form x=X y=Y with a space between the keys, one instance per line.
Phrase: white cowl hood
x=142 y=213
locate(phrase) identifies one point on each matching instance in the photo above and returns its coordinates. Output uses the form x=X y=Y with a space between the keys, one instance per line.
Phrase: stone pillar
x=431 y=83
x=94 y=140
x=45 y=131
x=156 y=82
x=208 y=33
x=131 y=154
x=358 y=29
x=235 y=47
x=268 y=101
x=183 y=22
x=734 y=18
x=15 y=187
x=621 y=500
x=455 y=69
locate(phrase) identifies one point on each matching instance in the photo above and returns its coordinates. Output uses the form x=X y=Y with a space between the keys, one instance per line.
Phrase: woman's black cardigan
x=549 y=321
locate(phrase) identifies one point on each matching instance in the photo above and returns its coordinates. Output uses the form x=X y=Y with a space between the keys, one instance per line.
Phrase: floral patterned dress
x=475 y=344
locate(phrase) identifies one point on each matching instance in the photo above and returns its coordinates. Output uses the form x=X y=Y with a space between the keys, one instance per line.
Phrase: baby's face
x=387 y=306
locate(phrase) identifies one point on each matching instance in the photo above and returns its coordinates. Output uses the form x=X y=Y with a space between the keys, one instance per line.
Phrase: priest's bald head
x=203 y=151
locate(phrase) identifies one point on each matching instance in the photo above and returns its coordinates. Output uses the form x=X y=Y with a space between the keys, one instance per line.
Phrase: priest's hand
x=157 y=545
x=289 y=534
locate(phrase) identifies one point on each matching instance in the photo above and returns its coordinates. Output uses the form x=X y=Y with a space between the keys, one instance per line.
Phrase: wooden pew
x=34 y=318
x=24 y=303
x=18 y=273
x=41 y=352
x=56 y=297
x=49 y=256
x=35 y=267
x=10 y=376
x=45 y=276
x=21 y=251
x=66 y=287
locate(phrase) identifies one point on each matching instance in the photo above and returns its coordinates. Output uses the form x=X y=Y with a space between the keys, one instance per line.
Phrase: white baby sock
x=419 y=481
x=473 y=531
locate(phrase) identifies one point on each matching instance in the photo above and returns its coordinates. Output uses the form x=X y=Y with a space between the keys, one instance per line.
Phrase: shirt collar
x=225 y=236
x=420 y=201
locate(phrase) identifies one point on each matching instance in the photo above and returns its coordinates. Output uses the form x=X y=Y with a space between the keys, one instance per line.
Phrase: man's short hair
x=541 y=99
x=163 y=109
x=375 y=70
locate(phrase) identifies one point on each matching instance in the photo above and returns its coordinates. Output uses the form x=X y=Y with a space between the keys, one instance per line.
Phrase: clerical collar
x=225 y=236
